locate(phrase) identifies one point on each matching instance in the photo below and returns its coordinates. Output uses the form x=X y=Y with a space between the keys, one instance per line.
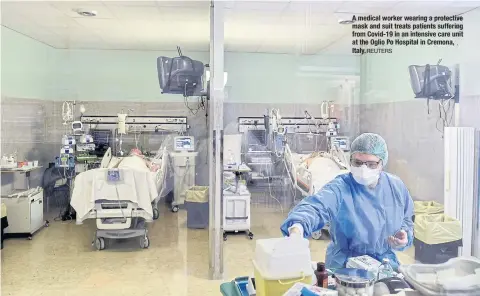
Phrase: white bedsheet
x=137 y=185
x=322 y=170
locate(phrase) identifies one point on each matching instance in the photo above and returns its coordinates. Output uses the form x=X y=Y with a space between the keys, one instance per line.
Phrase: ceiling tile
x=183 y=3
x=420 y=7
x=134 y=12
x=108 y=3
x=75 y=30
x=100 y=24
x=277 y=26
x=260 y=5
x=308 y=19
x=313 y=7
x=464 y=4
x=31 y=9
x=366 y=6
x=185 y=14
x=252 y=16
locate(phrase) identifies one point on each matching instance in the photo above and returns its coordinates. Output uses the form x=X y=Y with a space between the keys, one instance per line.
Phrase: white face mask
x=365 y=176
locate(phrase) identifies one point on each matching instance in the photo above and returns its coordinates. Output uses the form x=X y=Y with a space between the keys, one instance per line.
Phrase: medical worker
x=369 y=211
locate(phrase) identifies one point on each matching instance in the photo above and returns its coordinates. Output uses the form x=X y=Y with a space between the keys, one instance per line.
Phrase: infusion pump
x=184 y=143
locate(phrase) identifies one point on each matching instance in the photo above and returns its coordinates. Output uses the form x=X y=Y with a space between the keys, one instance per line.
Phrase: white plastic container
x=280 y=263
x=354 y=282
x=280 y=257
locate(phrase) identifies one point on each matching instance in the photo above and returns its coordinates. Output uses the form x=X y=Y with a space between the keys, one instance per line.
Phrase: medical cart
x=236 y=205
x=25 y=205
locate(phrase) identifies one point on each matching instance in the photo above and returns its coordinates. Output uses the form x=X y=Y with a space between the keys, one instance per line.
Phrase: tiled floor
x=61 y=261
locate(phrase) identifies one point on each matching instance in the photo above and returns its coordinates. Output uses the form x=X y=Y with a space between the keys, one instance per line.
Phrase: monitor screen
x=184 y=143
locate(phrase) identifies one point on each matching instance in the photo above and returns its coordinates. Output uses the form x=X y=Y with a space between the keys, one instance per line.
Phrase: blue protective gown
x=361 y=218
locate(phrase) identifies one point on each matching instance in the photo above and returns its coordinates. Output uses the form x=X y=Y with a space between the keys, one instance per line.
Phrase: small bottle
x=322 y=275
x=385 y=270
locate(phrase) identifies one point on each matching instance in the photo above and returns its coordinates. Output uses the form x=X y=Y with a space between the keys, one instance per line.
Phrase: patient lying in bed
x=321 y=168
x=137 y=184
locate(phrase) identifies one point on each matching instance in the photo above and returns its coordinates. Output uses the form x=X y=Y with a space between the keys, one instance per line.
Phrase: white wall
x=27 y=66
x=34 y=70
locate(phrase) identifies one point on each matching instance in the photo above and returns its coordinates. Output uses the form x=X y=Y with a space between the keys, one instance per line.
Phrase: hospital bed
x=310 y=172
x=121 y=195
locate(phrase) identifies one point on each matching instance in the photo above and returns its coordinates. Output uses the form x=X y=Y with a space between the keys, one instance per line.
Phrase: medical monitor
x=180 y=75
x=431 y=81
x=342 y=143
x=184 y=143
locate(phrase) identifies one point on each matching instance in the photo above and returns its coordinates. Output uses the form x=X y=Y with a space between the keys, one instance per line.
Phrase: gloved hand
x=294 y=231
x=400 y=239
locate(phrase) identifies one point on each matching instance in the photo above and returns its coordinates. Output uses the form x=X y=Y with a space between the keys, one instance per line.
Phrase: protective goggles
x=370 y=164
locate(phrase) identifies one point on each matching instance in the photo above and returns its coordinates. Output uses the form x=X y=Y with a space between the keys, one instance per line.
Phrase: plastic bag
x=197 y=194
x=437 y=229
x=428 y=207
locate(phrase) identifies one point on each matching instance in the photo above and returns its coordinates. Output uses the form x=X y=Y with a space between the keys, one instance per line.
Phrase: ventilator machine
x=184 y=159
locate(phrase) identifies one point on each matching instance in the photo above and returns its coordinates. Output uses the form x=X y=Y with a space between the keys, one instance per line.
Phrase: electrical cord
x=444 y=107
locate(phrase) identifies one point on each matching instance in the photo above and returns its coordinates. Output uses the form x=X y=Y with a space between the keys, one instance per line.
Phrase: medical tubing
x=270 y=189
x=67 y=113
x=294 y=193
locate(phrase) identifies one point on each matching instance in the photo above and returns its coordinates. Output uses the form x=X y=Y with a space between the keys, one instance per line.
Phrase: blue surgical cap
x=372 y=144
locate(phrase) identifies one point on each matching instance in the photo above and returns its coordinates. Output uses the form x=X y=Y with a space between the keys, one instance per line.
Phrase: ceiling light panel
x=71 y=8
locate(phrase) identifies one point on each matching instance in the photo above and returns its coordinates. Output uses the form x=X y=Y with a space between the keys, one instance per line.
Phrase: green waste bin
x=437 y=238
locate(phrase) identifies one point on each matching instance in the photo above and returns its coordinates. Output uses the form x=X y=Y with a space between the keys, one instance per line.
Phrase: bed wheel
x=100 y=243
x=175 y=209
x=250 y=235
x=156 y=214
x=317 y=235
x=145 y=242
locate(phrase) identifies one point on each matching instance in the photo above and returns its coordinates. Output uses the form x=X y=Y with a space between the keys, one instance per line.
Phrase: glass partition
x=85 y=92
x=298 y=97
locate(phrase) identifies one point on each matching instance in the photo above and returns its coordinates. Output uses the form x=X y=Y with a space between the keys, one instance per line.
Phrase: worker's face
x=371 y=161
